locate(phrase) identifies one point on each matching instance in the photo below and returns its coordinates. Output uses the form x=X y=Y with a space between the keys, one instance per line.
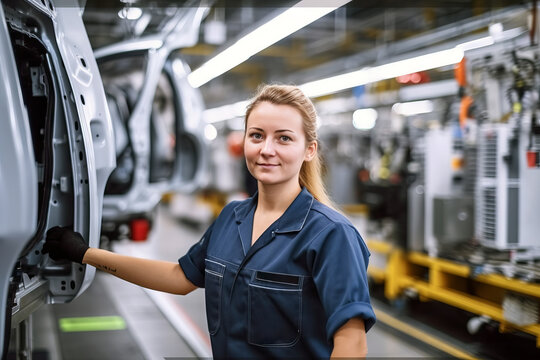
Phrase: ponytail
x=311 y=179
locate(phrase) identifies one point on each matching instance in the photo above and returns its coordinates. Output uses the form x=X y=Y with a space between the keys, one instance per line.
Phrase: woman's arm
x=64 y=243
x=350 y=340
x=152 y=274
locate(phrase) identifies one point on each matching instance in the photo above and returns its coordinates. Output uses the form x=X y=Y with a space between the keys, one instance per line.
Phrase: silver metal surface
x=58 y=147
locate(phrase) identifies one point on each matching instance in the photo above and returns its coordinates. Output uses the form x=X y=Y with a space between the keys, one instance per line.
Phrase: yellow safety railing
x=448 y=282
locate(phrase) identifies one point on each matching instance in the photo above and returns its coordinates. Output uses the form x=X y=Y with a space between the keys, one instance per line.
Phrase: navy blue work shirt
x=286 y=295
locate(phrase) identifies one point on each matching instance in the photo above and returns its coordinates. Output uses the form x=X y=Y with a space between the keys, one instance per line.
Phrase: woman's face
x=275 y=144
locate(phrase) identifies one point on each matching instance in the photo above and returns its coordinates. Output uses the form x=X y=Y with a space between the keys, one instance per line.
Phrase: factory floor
x=117 y=320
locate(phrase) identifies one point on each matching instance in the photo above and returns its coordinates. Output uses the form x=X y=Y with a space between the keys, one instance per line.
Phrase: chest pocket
x=213 y=283
x=274 y=309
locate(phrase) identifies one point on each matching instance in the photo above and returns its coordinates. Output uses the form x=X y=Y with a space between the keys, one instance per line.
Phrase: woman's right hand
x=64 y=243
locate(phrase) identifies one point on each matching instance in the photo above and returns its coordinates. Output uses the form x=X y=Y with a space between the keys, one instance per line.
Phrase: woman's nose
x=268 y=147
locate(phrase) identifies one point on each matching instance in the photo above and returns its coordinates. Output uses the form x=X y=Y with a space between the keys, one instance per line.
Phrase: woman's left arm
x=350 y=340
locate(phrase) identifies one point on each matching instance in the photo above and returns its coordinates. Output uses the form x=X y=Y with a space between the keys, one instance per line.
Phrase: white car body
x=57 y=151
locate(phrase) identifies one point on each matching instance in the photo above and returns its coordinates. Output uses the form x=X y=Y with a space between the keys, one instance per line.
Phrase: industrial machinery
x=499 y=145
x=467 y=167
x=473 y=206
x=56 y=154
x=508 y=181
x=157 y=117
x=448 y=208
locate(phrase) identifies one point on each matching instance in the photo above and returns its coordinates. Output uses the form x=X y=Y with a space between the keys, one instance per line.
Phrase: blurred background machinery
x=472 y=206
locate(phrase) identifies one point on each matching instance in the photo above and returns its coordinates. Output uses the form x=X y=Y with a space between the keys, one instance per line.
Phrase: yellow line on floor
x=421 y=335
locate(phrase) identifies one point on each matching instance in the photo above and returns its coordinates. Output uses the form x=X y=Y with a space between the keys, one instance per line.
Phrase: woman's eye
x=256 y=136
x=284 y=138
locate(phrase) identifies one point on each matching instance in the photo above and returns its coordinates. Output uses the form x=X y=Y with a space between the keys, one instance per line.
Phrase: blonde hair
x=311 y=171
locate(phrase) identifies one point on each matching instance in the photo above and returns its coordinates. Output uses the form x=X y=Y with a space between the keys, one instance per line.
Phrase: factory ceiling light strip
x=356 y=78
x=387 y=71
x=425 y=62
x=286 y=23
x=225 y=112
x=368 y=75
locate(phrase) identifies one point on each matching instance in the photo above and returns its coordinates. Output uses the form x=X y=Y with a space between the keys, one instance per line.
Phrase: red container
x=140 y=229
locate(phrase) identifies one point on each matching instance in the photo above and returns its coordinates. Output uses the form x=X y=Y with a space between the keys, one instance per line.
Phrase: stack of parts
x=520 y=310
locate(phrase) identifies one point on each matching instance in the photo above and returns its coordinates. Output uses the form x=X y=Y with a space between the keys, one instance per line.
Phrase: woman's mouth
x=266 y=165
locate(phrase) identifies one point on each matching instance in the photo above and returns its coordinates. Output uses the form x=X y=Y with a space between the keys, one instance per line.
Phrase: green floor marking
x=92 y=323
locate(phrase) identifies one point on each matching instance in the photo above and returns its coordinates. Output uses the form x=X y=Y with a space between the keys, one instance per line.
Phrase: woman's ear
x=311 y=151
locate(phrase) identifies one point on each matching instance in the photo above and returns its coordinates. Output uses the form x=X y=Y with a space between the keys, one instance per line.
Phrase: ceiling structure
x=361 y=33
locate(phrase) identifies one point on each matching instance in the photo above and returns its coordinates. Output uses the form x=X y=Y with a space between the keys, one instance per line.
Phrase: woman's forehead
x=269 y=114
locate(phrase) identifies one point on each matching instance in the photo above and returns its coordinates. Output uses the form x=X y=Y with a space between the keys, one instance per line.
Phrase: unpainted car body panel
x=55 y=94
x=18 y=176
x=144 y=191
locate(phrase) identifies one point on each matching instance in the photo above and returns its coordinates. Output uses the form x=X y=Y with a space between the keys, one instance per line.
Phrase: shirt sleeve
x=339 y=268
x=192 y=262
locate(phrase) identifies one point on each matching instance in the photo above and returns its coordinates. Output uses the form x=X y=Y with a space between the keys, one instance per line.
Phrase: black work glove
x=64 y=243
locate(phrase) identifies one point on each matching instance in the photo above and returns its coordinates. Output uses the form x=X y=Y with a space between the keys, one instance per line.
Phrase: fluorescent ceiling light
x=403 y=67
x=429 y=90
x=497 y=34
x=286 y=23
x=225 y=112
x=336 y=105
x=364 y=119
x=130 y=13
x=388 y=71
x=475 y=44
x=368 y=75
x=413 y=107
x=210 y=132
x=496 y=29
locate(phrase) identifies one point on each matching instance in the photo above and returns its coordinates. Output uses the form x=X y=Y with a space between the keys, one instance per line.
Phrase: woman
x=284 y=273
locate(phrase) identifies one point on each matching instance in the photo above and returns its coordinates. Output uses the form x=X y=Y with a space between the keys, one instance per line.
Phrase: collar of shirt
x=293 y=218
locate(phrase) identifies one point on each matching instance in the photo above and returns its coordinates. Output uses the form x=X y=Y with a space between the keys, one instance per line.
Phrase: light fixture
x=430 y=61
x=214 y=32
x=281 y=26
x=336 y=105
x=225 y=112
x=413 y=107
x=364 y=119
x=368 y=75
x=130 y=13
x=210 y=132
x=475 y=44
x=388 y=71
x=496 y=29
